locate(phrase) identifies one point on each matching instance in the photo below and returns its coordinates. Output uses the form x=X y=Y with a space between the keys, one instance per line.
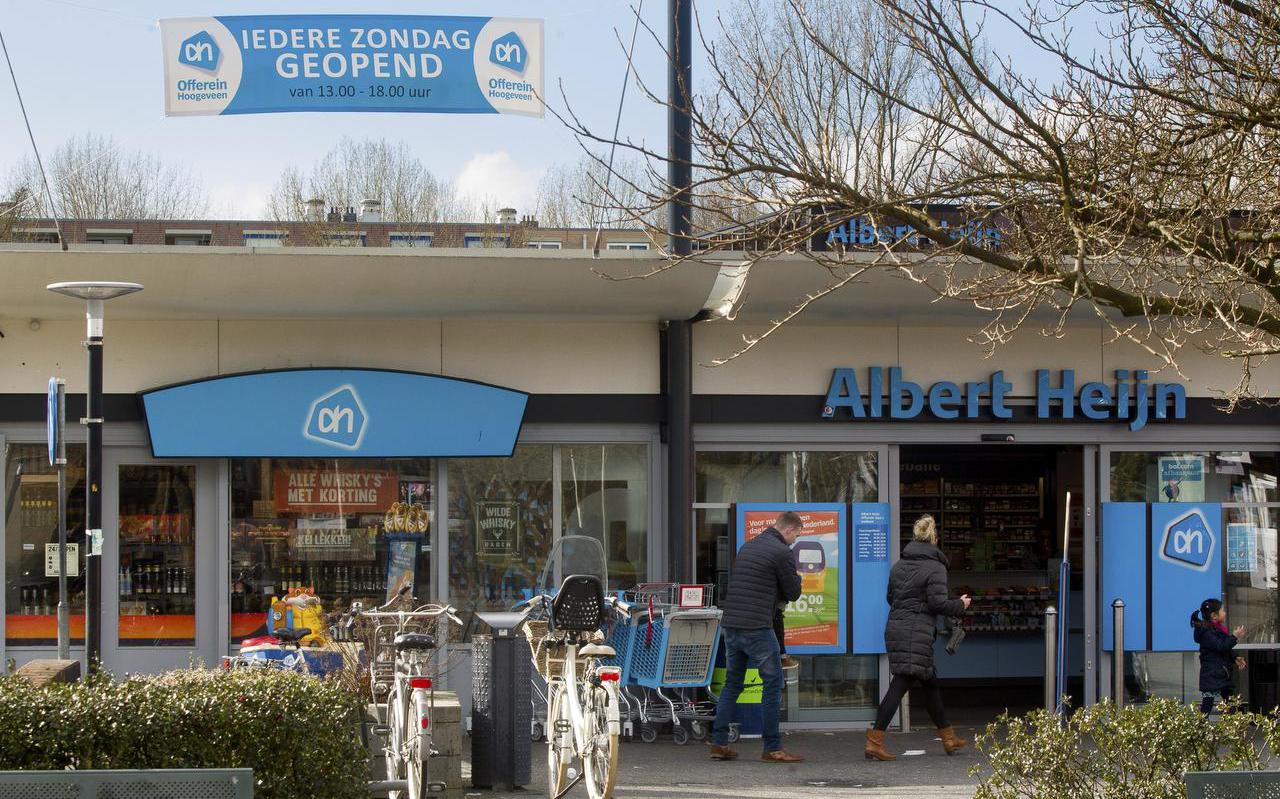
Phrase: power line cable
x=53 y=209
x=617 y=122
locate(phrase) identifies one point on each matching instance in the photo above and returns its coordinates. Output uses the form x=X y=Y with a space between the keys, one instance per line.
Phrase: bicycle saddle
x=598 y=651
x=293 y=636
x=419 y=641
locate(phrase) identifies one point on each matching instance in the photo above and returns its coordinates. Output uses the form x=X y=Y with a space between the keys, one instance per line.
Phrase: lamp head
x=94 y=289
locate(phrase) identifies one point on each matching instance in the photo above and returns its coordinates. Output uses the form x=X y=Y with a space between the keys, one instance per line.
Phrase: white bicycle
x=583 y=721
x=400 y=657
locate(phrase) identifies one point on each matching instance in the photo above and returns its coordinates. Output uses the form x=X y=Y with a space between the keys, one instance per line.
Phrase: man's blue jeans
x=758 y=648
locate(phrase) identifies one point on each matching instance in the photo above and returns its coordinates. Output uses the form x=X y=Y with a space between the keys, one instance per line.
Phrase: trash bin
x=1264 y=680
x=500 y=704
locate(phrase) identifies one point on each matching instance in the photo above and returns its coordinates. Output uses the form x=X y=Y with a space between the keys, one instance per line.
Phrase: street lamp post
x=94 y=293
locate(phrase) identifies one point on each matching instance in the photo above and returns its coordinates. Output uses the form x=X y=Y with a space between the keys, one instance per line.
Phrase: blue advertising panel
x=336 y=413
x=352 y=62
x=870 y=576
x=1186 y=569
x=1124 y=572
x=816 y=623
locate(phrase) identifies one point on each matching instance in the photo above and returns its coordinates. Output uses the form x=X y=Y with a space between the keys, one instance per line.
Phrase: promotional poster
x=352 y=62
x=816 y=622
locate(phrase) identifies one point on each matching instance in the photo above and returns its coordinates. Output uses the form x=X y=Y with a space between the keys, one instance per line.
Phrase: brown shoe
x=951 y=743
x=789 y=662
x=781 y=756
x=722 y=752
x=874 y=750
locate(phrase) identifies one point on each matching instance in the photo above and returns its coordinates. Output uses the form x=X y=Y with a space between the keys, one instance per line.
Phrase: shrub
x=1138 y=752
x=298 y=734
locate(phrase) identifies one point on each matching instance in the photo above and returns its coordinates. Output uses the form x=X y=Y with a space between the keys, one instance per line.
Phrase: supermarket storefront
x=452 y=452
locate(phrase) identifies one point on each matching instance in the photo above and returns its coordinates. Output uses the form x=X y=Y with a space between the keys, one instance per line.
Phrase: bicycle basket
x=579 y=604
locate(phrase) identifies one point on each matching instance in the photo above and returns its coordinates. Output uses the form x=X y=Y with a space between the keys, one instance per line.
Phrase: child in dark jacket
x=1218 y=660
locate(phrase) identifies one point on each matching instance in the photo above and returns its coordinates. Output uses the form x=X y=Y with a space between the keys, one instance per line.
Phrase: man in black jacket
x=764 y=574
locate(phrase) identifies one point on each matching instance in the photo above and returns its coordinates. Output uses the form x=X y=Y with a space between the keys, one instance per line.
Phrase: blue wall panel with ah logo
x=333 y=413
x=1186 y=569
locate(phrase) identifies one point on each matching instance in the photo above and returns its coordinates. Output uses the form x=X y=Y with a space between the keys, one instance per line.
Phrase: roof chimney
x=315 y=209
x=506 y=216
x=349 y=215
x=370 y=210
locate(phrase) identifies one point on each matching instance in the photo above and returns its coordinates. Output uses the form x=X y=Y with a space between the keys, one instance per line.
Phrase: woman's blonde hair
x=925 y=529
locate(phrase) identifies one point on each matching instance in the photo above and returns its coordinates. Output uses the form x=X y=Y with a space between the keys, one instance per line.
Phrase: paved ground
x=834 y=767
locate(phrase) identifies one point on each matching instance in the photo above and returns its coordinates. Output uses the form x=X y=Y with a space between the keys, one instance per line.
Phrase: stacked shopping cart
x=667 y=651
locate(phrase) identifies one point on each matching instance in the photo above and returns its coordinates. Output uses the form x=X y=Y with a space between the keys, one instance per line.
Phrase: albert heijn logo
x=338 y=419
x=1189 y=541
x=510 y=53
x=200 y=51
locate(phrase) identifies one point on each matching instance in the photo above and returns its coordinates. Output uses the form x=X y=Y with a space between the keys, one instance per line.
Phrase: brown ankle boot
x=950 y=741
x=874 y=750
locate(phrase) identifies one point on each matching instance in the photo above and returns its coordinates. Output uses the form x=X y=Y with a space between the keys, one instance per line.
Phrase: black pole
x=93 y=498
x=679 y=125
x=678 y=378
x=678 y=344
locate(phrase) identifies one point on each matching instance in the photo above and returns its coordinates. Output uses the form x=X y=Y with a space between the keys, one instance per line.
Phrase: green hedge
x=1137 y=752
x=300 y=735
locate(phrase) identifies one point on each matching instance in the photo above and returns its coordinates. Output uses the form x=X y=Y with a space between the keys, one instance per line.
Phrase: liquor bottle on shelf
x=26 y=602
x=125 y=581
x=45 y=610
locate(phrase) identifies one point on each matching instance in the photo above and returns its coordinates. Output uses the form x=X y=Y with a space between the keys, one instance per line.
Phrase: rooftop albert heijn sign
x=1131 y=398
x=338 y=62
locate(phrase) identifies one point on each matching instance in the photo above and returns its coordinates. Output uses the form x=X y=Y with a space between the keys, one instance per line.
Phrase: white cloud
x=497 y=180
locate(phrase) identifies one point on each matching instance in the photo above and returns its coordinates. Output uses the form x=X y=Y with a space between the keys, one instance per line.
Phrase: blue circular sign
x=51 y=420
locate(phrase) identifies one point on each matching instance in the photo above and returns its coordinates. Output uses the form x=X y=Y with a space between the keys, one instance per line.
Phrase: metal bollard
x=1050 y=659
x=1117 y=654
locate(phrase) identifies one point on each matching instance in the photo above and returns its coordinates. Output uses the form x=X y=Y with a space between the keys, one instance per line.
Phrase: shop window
x=157 y=569
x=31 y=523
x=1236 y=477
x=502 y=517
x=1253 y=593
x=344 y=529
x=603 y=490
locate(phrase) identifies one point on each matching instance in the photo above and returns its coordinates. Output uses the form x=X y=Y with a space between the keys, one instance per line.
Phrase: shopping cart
x=669 y=658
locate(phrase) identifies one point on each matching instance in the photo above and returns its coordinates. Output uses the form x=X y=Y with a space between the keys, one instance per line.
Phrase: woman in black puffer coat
x=918 y=595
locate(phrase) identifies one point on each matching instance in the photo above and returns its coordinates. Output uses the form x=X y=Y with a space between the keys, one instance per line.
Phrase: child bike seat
x=579 y=606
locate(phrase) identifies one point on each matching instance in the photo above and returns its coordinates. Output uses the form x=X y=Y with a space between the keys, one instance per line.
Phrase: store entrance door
x=159 y=577
x=999 y=512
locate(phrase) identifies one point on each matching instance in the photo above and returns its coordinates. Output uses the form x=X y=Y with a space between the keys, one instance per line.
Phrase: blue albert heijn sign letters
x=333 y=413
x=888 y=394
x=1163 y=559
x=340 y=62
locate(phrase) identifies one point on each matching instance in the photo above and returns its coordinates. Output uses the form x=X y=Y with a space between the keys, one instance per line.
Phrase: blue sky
x=94 y=66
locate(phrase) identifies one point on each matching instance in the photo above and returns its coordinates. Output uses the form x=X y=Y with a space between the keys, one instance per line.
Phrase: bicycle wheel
x=393 y=754
x=558 y=749
x=600 y=758
x=416 y=751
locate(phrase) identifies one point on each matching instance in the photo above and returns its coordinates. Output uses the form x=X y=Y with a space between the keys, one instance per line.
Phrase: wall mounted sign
x=870 y=570
x=51 y=560
x=815 y=623
x=497 y=530
x=339 y=62
x=889 y=395
x=1163 y=559
x=333 y=413
x=402 y=563
x=862 y=232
